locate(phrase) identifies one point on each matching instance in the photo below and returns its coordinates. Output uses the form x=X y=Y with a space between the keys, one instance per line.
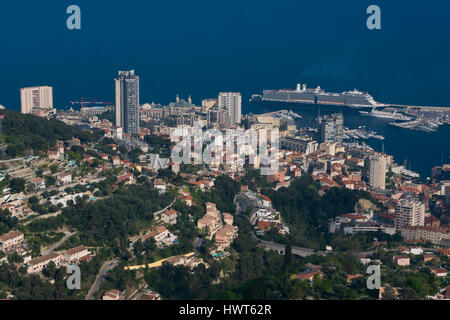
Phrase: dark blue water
x=205 y=46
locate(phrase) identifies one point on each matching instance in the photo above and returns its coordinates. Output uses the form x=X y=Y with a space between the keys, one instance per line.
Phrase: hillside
x=26 y=133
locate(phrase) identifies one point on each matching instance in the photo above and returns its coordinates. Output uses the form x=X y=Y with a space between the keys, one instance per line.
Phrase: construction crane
x=84 y=102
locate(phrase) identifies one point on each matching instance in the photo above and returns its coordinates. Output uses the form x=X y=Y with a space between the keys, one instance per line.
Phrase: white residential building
x=64 y=178
x=409 y=212
x=36 y=97
x=231 y=101
x=36 y=265
x=160 y=186
x=162 y=237
x=10 y=240
x=76 y=254
x=375 y=167
x=169 y=217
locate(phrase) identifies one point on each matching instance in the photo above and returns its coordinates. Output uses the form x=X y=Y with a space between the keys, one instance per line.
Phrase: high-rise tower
x=127 y=101
x=331 y=128
x=36 y=98
x=375 y=171
x=232 y=102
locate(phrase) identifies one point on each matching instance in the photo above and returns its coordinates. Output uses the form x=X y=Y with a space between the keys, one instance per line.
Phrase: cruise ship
x=385 y=115
x=317 y=95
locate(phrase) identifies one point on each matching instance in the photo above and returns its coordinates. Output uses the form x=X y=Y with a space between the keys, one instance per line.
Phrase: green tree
x=17 y=185
x=288 y=255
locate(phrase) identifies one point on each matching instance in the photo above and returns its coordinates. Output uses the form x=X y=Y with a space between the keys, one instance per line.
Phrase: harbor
x=361 y=133
x=397 y=142
x=428 y=124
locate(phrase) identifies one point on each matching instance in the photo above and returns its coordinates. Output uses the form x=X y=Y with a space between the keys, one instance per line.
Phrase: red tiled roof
x=308 y=275
x=263 y=225
x=170 y=212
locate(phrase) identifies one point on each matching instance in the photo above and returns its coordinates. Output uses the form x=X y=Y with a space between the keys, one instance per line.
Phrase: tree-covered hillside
x=306 y=212
x=23 y=133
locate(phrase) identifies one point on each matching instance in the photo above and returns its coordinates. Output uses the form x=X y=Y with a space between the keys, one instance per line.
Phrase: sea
x=203 y=47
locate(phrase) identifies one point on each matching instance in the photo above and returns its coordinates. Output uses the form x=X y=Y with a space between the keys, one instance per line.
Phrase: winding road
x=58 y=244
x=299 y=251
x=107 y=266
x=302 y=252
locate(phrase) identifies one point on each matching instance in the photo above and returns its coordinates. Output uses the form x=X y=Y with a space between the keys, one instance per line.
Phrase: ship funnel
x=299 y=87
x=304 y=87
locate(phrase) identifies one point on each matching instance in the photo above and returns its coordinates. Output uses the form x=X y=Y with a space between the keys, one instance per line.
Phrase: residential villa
x=225 y=236
x=36 y=265
x=162 y=237
x=10 y=240
x=160 y=186
x=64 y=178
x=401 y=260
x=77 y=254
x=211 y=220
x=169 y=217
x=112 y=295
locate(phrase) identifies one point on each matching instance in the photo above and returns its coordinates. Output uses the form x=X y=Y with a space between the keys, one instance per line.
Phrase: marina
x=397 y=142
x=425 y=119
x=385 y=114
x=420 y=124
x=361 y=133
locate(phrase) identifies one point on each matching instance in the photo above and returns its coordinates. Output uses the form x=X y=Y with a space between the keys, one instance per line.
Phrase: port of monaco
x=226 y=159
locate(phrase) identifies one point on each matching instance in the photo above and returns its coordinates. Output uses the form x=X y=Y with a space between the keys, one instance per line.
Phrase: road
x=304 y=252
x=299 y=251
x=43 y=216
x=59 y=243
x=16 y=159
x=166 y=208
x=107 y=266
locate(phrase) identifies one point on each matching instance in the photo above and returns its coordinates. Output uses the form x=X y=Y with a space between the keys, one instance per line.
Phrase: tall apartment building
x=375 y=171
x=231 y=101
x=409 y=212
x=331 y=128
x=36 y=97
x=127 y=101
